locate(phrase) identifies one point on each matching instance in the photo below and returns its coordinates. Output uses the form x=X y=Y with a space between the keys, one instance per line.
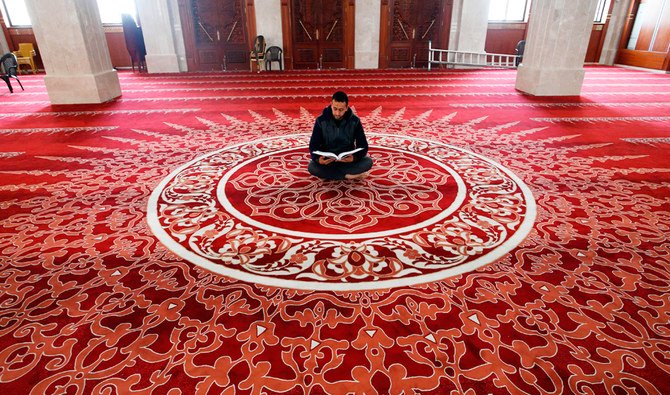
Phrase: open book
x=337 y=156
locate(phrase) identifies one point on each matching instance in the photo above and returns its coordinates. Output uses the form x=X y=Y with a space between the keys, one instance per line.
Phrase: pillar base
x=162 y=63
x=549 y=82
x=83 y=88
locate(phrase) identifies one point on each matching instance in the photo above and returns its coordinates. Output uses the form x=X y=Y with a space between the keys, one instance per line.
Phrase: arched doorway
x=407 y=26
x=216 y=34
x=321 y=33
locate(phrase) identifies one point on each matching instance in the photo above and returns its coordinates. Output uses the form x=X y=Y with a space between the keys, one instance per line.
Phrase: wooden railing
x=465 y=58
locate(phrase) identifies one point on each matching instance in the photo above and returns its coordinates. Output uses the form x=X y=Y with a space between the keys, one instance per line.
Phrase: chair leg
x=9 y=85
x=19 y=81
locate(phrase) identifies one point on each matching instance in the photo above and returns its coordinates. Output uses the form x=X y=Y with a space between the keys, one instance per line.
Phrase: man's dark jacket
x=330 y=135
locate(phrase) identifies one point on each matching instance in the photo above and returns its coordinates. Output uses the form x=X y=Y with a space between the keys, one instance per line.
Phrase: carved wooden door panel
x=220 y=35
x=318 y=34
x=413 y=24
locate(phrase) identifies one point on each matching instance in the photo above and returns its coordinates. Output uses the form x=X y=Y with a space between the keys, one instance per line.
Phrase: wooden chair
x=26 y=55
x=257 y=53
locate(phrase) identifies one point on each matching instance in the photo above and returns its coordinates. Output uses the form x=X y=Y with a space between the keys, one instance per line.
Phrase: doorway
x=216 y=32
x=410 y=24
x=319 y=34
x=645 y=41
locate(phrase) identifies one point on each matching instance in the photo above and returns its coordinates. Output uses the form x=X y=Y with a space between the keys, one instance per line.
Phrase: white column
x=614 y=31
x=156 y=22
x=366 y=44
x=268 y=21
x=178 y=34
x=74 y=51
x=4 y=47
x=470 y=22
x=556 y=44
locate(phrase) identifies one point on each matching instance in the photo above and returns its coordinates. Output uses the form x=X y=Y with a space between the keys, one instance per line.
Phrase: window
x=110 y=11
x=601 y=11
x=16 y=13
x=509 y=10
x=517 y=11
x=647 y=25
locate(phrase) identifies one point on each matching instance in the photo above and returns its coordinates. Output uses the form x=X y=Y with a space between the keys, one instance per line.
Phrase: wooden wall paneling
x=320 y=34
x=412 y=24
x=251 y=22
x=187 y=28
x=217 y=33
x=445 y=25
x=503 y=37
x=350 y=34
x=628 y=25
x=649 y=60
x=334 y=35
x=635 y=57
x=116 y=42
x=662 y=41
x=306 y=16
x=592 y=54
x=384 y=34
x=648 y=24
x=287 y=29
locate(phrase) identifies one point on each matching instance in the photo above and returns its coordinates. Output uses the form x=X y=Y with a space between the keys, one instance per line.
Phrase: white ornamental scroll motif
x=427 y=211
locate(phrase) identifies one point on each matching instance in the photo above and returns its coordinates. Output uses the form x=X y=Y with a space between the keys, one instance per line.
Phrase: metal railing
x=465 y=58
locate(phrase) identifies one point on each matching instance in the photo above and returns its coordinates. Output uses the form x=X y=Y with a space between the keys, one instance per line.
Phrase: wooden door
x=318 y=30
x=412 y=24
x=645 y=41
x=219 y=35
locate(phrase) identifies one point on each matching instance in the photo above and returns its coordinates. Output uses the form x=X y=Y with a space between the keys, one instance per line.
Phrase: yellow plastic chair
x=26 y=55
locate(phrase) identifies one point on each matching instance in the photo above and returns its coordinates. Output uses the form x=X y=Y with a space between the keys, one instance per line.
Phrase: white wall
x=268 y=22
x=366 y=46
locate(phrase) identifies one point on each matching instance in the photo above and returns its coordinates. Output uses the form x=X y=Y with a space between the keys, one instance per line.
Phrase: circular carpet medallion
x=427 y=211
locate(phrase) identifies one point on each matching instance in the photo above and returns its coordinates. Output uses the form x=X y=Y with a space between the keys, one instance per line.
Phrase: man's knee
x=313 y=168
x=322 y=171
x=366 y=163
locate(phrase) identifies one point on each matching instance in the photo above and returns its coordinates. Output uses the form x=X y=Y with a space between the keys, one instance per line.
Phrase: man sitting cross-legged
x=339 y=130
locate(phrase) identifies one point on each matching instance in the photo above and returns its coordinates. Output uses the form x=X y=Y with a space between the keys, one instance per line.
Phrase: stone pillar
x=156 y=21
x=4 y=47
x=74 y=51
x=556 y=44
x=614 y=31
x=469 y=22
x=366 y=43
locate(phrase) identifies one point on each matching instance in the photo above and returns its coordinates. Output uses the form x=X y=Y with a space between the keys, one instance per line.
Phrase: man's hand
x=325 y=161
x=347 y=159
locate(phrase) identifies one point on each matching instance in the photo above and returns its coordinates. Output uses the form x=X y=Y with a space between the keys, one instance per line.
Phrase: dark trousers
x=337 y=170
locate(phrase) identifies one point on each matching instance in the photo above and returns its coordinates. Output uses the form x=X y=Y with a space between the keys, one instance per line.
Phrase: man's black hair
x=341 y=97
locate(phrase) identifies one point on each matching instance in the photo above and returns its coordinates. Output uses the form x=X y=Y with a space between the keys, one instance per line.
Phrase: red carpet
x=172 y=241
